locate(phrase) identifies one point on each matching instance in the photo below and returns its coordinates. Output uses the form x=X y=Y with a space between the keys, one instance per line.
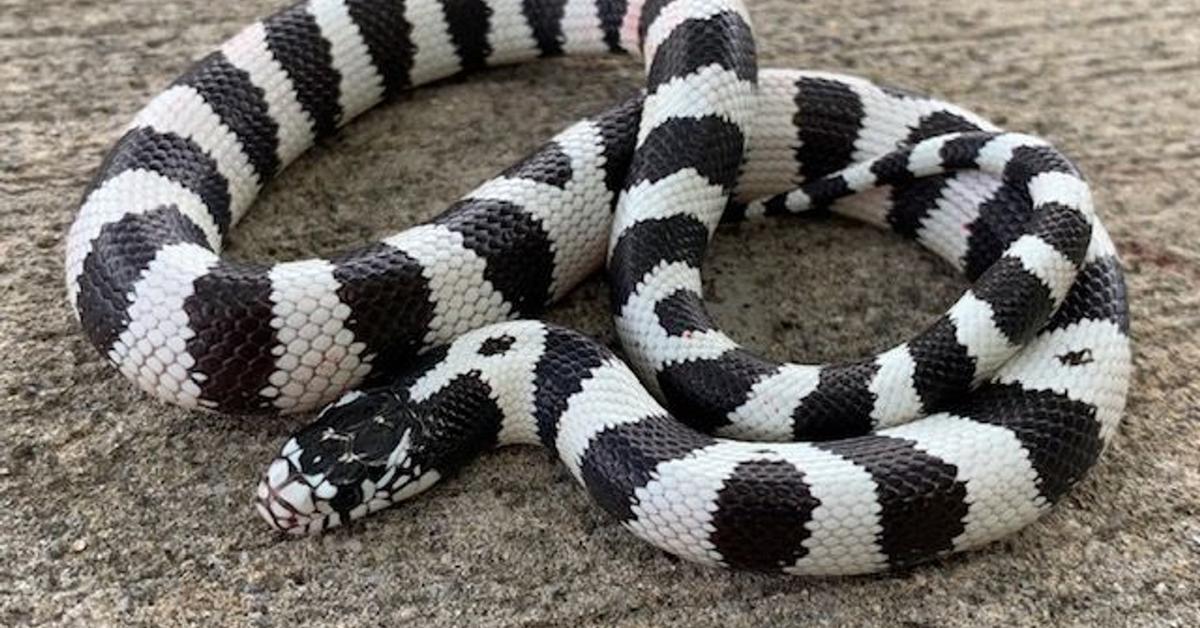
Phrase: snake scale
x=957 y=437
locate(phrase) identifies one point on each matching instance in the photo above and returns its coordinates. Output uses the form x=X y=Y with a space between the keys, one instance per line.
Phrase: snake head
x=362 y=454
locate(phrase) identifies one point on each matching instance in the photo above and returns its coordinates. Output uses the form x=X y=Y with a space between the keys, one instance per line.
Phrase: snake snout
x=299 y=500
x=286 y=500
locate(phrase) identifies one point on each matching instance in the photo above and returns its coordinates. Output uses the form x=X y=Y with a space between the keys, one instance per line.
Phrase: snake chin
x=360 y=456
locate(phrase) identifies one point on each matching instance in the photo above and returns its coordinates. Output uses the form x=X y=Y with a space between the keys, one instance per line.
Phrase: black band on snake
x=965 y=433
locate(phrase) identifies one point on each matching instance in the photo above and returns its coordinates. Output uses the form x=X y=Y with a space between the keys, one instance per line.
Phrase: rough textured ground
x=118 y=511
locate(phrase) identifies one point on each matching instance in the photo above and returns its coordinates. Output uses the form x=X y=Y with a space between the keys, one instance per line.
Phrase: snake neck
x=498 y=385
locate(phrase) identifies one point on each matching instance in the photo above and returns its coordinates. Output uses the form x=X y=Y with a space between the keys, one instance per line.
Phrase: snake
x=962 y=435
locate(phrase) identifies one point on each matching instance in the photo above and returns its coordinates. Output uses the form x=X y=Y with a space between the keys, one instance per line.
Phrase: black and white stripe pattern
x=952 y=481
x=1025 y=376
x=673 y=342
x=144 y=272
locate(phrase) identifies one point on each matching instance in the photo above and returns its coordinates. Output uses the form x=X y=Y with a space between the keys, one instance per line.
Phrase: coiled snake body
x=965 y=433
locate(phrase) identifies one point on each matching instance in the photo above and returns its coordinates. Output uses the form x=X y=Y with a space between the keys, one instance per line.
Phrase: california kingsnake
x=1019 y=385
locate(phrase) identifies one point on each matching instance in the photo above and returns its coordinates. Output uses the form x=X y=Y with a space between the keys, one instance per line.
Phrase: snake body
x=957 y=437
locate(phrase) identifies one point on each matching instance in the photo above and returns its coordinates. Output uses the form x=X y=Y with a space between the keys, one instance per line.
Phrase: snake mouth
x=289 y=503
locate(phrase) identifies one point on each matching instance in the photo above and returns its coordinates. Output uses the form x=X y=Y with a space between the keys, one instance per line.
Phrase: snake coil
x=961 y=435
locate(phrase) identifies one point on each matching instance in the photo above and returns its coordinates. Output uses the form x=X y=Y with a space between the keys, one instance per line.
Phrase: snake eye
x=496 y=345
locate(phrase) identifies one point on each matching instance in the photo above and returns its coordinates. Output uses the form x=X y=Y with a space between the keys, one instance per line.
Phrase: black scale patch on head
x=649 y=243
x=354 y=440
x=469 y=22
x=387 y=36
x=176 y=158
x=623 y=458
x=722 y=40
x=296 y=43
x=703 y=392
x=828 y=119
x=545 y=17
x=378 y=436
x=549 y=165
x=230 y=313
x=497 y=345
x=520 y=259
x=840 y=405
x=942 y=367
x=568 y=359
x=120 y=254
x=1060 y=435
x=391 y=303
x=348 y=496
x=242 y=107
x=762 y=512
x=923 y=504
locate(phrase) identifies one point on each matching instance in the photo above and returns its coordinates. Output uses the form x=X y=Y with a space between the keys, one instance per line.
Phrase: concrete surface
x=115 y=510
